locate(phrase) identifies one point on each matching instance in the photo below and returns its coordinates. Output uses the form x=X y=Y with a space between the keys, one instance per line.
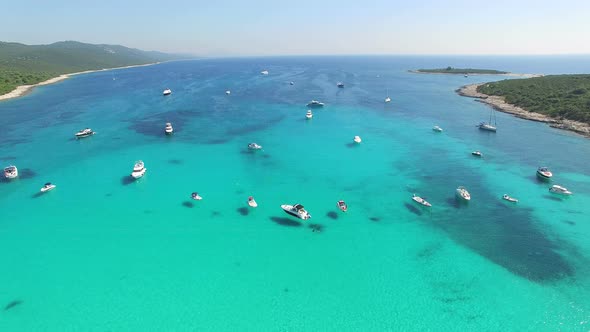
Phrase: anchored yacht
x=138 y=170
x=10 y=172
x=296 y=210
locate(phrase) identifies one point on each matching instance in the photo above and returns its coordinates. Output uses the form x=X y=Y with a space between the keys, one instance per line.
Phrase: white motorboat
x=357 y=139
x=85 y=133
x=10 y=172
x=559 y=190
x=296 y=210
x=420 y=200
x=227 y=92
x=340 y=84
x=254 y=146
x=138 y=170
x=196 y=196
x=47 y=187
x=167 y=92
x=252 y=202
x=544 y=173
x=315 y=103
x=437 y=129
x=463 y=193
x=309 y=114
x=387 y=100
x=476 y=153
x=342 y=205
x=168 y=129
x=264 y=72
x=509 y=199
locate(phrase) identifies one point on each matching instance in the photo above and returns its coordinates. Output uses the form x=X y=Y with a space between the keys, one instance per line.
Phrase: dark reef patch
x=244 y=211
x=12 y=304
x=188 y=204
x=175 y=161
x=26 y=173
x=215 y=214
x=375 y=219
x=413 y=209
x=316 y=228
x=285 y=221
x=332 y=215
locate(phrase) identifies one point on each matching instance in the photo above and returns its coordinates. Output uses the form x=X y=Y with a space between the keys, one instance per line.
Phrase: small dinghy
x=420 y=200
x=196 y=196
x=227 y=92
x=252 y=202
x=254 y=146
x=47 y=187
x=509 y=199
x=476 y=153
x=357 y=139
x=342 y=205
x=437 y=129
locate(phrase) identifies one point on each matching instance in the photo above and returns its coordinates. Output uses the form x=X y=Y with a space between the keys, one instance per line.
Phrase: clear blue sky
x=231 y=27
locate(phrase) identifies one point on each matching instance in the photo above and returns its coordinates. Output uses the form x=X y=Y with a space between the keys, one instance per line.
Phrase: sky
x=307 y=27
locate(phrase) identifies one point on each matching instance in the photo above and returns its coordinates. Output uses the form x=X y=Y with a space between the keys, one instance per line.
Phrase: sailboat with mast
x=387 y=99
x=489 y=126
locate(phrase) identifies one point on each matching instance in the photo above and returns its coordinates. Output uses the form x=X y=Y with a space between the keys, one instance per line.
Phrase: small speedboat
x=296 y=210
x=167 y=92
x=254 y=146
x=47 y=187
x=10 y=172
x=196 y=196
x=437 y=129
x=168 y=130
x=544 y=173
x=342 y=205
x=509 y=199
x=309 y=114
x=252 y=202
x=138 y=170
x=420 y=200
x=476 y=153
x=463 y=193
x=264 y=72
x=291 y=83
x=227 y=92
x=357 y=139
x=559 y=190
x=85 y=133
x=387 y=100
x=315 y=103
x=340 y=84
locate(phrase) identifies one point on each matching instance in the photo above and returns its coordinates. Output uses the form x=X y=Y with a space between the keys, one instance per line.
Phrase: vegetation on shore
x=463 y=71
x=30 y=64
x=557 y=96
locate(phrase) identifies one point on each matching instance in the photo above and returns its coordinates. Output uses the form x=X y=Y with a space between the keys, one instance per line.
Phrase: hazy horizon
x=266 y=28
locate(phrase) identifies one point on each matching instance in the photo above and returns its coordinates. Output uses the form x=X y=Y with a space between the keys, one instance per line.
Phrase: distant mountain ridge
x=22 y=64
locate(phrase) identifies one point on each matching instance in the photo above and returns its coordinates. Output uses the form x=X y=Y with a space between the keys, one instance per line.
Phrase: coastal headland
x=499 y=103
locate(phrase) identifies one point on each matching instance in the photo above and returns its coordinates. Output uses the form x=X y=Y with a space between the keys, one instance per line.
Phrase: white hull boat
x=476 y=153
x=463 y=194
x=559 y=190
x=252 y=202
x=85 y=133
x=296 y=210
x=167 y=92
x=437 y=129
x=309 y=114
x=10 y=172
x=357 y=139
x=227 y=92
x=264 y=72
x=509 y=199
x=47 y=187
x=420 y=200
x=315 y=103
x=168 y=129
x=342 y=205
x=196 y=196
x=544 y=172
x=138 y=170
x=254 y=146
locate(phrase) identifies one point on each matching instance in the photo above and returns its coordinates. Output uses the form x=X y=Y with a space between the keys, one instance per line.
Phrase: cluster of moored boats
x=298 y=210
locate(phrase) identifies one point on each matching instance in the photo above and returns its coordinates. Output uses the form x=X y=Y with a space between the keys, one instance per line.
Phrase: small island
x=563 y=101
x=460 y=71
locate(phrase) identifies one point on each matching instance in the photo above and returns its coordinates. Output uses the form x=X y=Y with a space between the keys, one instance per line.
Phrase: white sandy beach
x=24 y=89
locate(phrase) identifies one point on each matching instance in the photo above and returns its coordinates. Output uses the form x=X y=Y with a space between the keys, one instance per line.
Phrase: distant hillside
x=463 y=71
x=558 y=96
x=29 y=64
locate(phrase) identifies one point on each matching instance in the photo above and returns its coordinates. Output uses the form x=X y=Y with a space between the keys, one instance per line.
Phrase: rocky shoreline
x=501 y=105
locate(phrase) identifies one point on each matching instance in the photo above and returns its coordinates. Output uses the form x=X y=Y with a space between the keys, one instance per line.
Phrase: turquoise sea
x=103 y=253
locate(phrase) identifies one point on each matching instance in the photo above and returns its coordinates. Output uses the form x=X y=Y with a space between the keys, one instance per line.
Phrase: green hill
x=558 y=96
x=29 y=64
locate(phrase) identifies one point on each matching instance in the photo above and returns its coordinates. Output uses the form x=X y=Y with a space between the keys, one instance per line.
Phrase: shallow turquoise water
x=103 y=253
